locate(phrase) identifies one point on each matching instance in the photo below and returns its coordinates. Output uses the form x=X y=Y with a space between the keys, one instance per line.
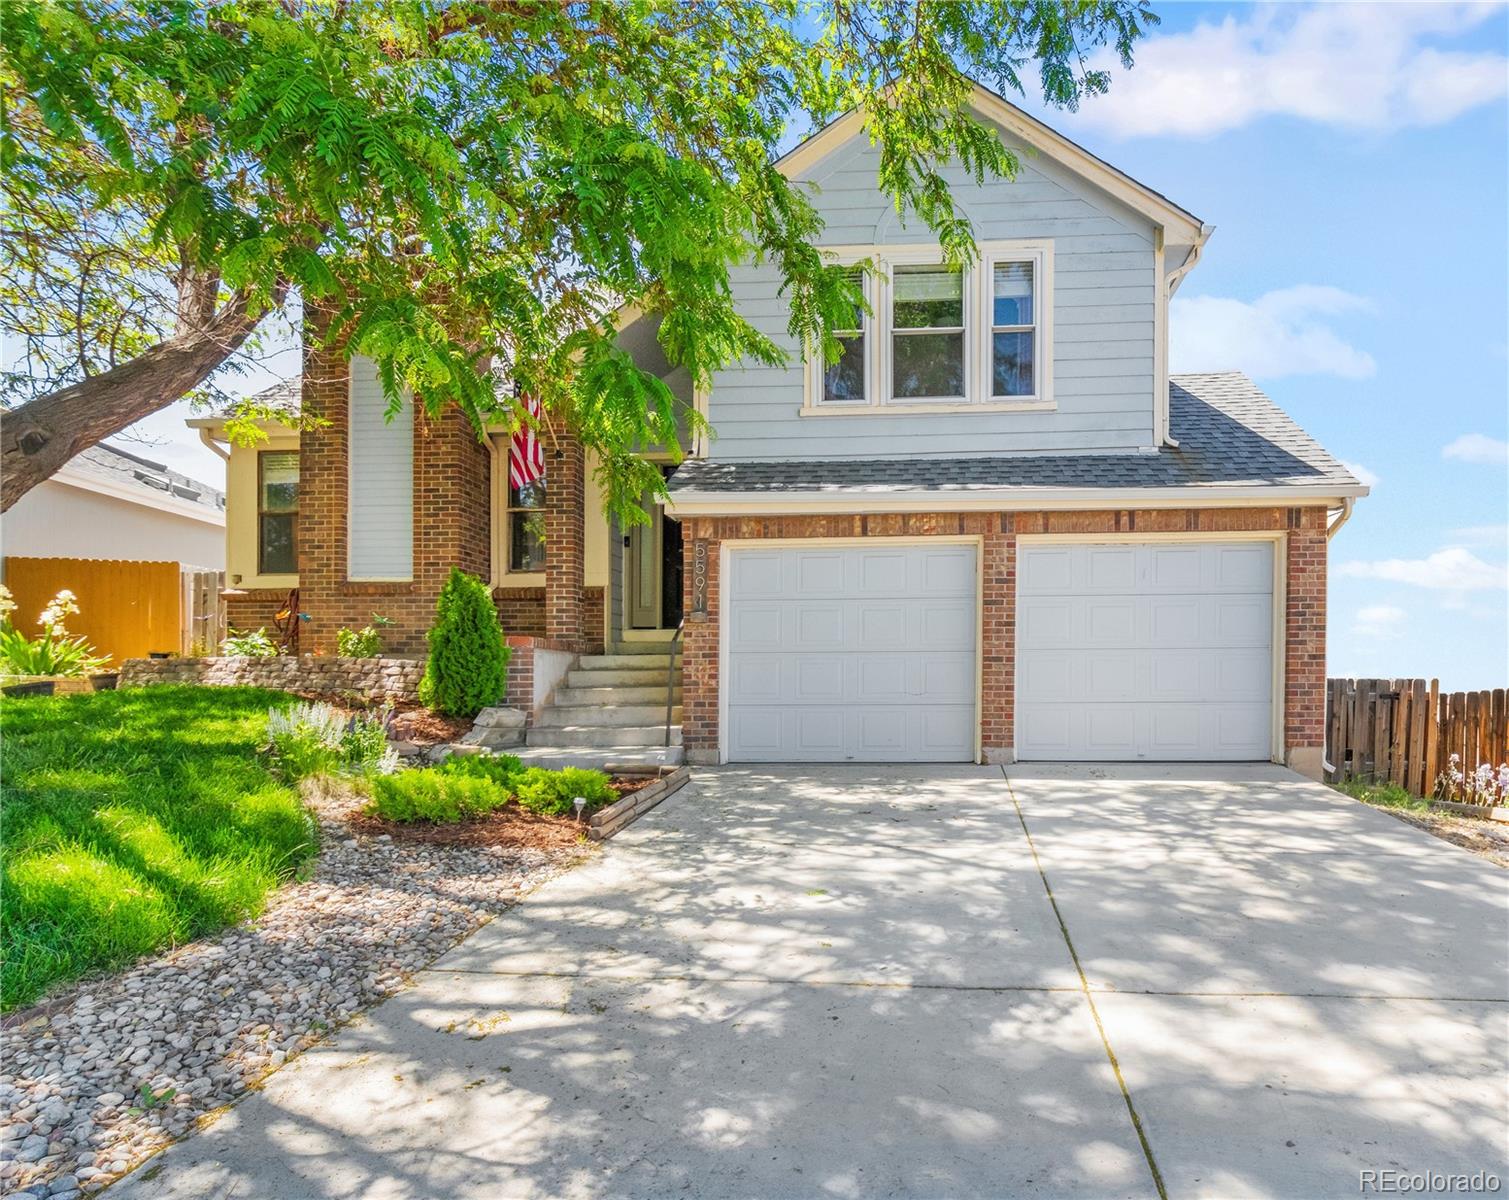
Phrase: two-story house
x=996 y=529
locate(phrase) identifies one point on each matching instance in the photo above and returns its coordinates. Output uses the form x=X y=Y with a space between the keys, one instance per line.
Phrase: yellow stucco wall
x=241 y=515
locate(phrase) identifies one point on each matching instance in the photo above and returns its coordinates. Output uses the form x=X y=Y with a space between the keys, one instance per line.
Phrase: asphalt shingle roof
x=146 y=476
x=1229 y=433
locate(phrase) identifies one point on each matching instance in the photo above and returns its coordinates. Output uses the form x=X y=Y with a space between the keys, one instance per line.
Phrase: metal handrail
x=670 y=681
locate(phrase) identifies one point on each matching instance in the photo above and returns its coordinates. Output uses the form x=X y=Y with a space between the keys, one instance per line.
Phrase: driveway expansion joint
x=1084 y=985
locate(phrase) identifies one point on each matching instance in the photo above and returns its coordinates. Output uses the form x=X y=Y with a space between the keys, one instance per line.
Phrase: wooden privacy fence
x=1404 y=731
x=127 y=609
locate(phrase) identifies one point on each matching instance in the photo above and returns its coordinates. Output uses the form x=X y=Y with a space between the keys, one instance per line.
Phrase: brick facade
x=253 y=609
x=1304 y=615
x=452 y=527
x=451 y=516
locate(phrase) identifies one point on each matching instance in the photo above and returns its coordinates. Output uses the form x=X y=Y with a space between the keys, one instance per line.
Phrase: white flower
x=7 y=603
x=64 y=604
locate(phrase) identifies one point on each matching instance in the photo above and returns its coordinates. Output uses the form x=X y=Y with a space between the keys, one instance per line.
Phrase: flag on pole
x=526 y=458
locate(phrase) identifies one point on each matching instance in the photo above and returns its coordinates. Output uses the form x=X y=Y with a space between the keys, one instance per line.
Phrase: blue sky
x=1355 y=161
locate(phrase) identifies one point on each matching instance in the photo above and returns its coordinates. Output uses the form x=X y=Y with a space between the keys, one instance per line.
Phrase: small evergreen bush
x=553 y=791
x=468 y=664
x=435 y=795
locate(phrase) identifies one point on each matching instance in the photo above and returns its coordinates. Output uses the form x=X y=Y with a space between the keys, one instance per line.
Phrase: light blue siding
x=1104 y=293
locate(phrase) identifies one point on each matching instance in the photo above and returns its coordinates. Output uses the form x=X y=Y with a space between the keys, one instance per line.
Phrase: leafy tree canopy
x=466 y=188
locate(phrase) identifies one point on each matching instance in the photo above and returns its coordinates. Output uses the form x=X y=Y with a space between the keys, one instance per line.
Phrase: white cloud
x=1378 y=621
x=1453 y=569
x=1482 y=535
x=1356 y=66
x=1361 y=474
x=1280 y=333
x=1478 y=448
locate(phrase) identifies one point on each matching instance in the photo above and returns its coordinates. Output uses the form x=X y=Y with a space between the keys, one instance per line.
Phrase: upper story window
x=944 y=337
x=277 y=512
x=847 y=380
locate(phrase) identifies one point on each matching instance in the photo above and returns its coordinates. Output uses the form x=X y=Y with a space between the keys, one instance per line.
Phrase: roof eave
x=691 y=502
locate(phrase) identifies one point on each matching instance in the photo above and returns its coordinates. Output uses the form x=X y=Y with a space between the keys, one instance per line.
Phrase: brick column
x=997 y=634
x=565 y=568
x=699 y=644
x=1305 y=643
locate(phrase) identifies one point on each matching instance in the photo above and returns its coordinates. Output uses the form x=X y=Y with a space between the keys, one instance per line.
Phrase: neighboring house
x=996 y=529
x=139 y=545
x=110 y=503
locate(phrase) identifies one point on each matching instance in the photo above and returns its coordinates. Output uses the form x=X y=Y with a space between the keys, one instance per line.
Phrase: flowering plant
x=54 y=653
x=1484 y=786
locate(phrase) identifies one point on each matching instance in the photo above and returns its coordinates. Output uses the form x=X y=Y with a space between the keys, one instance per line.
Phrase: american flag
x=526 y=459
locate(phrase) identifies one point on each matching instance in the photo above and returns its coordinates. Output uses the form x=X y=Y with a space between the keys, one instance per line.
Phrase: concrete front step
x=622 y=662
x=660 y=647
x=619 y=694
x=578 y=678
x=560 y=715
x=602 y=735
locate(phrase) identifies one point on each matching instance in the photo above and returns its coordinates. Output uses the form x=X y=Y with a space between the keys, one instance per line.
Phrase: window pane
x=531 y=495
x=857 y=278
x=928 y=297
x=1013 y=294
x=845 y=379
x=1011 y=365
x=526 y=541
x=927 y=365
x=275 y=547
x=280 y=480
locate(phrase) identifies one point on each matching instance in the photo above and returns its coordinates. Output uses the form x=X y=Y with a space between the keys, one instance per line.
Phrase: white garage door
x=851 y=654
x=1152 y=651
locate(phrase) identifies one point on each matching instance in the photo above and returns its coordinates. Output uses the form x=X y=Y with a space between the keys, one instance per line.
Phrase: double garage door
x=861 y=653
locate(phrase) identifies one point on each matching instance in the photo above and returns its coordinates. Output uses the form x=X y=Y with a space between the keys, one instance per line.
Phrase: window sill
x=904 y=410
x=520 y=579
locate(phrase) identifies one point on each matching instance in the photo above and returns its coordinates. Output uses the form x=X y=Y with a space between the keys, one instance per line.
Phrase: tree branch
x=40 y=436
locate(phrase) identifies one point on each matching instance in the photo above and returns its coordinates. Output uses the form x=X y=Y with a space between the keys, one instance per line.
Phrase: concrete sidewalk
x=859 y=981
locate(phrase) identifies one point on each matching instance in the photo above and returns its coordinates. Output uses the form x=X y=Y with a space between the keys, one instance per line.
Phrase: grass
x=133 y=821
x=1384 y=795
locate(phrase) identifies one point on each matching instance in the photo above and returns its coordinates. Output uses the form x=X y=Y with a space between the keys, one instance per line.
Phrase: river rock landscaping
x=96 y=1080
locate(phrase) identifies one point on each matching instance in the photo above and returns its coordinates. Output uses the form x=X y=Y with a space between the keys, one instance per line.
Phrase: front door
x=652 y=570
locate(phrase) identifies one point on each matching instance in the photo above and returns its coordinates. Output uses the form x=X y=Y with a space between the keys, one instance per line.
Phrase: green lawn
x=131 y=821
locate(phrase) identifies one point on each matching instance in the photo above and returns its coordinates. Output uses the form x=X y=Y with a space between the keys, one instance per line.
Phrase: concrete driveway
x=929 y=982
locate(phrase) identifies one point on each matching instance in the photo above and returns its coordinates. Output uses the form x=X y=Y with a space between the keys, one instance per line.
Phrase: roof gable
x=1181 y=226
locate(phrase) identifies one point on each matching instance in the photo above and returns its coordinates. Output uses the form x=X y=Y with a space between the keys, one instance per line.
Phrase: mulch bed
x=512 y=825
x=1487 y=839
x=411 y=722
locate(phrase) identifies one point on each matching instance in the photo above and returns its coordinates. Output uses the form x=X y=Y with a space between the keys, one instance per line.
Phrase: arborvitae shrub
x=468 y=665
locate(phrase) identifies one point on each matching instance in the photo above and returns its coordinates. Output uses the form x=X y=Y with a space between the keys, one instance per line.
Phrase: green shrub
x=316 y=739
x=553 y=791
x=502 y=769
x=365 y=642
x=435 y=795
x=468 y=664
x=249 y=645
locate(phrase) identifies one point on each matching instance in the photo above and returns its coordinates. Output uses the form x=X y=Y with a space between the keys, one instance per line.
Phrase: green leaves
x=465 y=188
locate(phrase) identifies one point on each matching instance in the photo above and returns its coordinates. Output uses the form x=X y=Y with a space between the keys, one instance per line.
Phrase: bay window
x=940 y=337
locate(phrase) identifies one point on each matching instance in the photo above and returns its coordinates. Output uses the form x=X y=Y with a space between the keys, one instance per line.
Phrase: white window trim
x=977 y=327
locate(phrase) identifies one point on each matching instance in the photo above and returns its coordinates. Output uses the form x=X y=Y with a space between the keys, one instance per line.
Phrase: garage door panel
x=1147 y=651
x=756 y=625
x=867 y=654
x=757 y=574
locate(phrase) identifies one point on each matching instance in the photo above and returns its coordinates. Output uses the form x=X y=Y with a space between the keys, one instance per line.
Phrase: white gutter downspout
x=1347 y=504
x=1175 y=278
x=208 y=440
x=1345 y=515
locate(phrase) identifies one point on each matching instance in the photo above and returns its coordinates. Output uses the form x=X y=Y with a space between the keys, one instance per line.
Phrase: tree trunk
x=43 y=434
